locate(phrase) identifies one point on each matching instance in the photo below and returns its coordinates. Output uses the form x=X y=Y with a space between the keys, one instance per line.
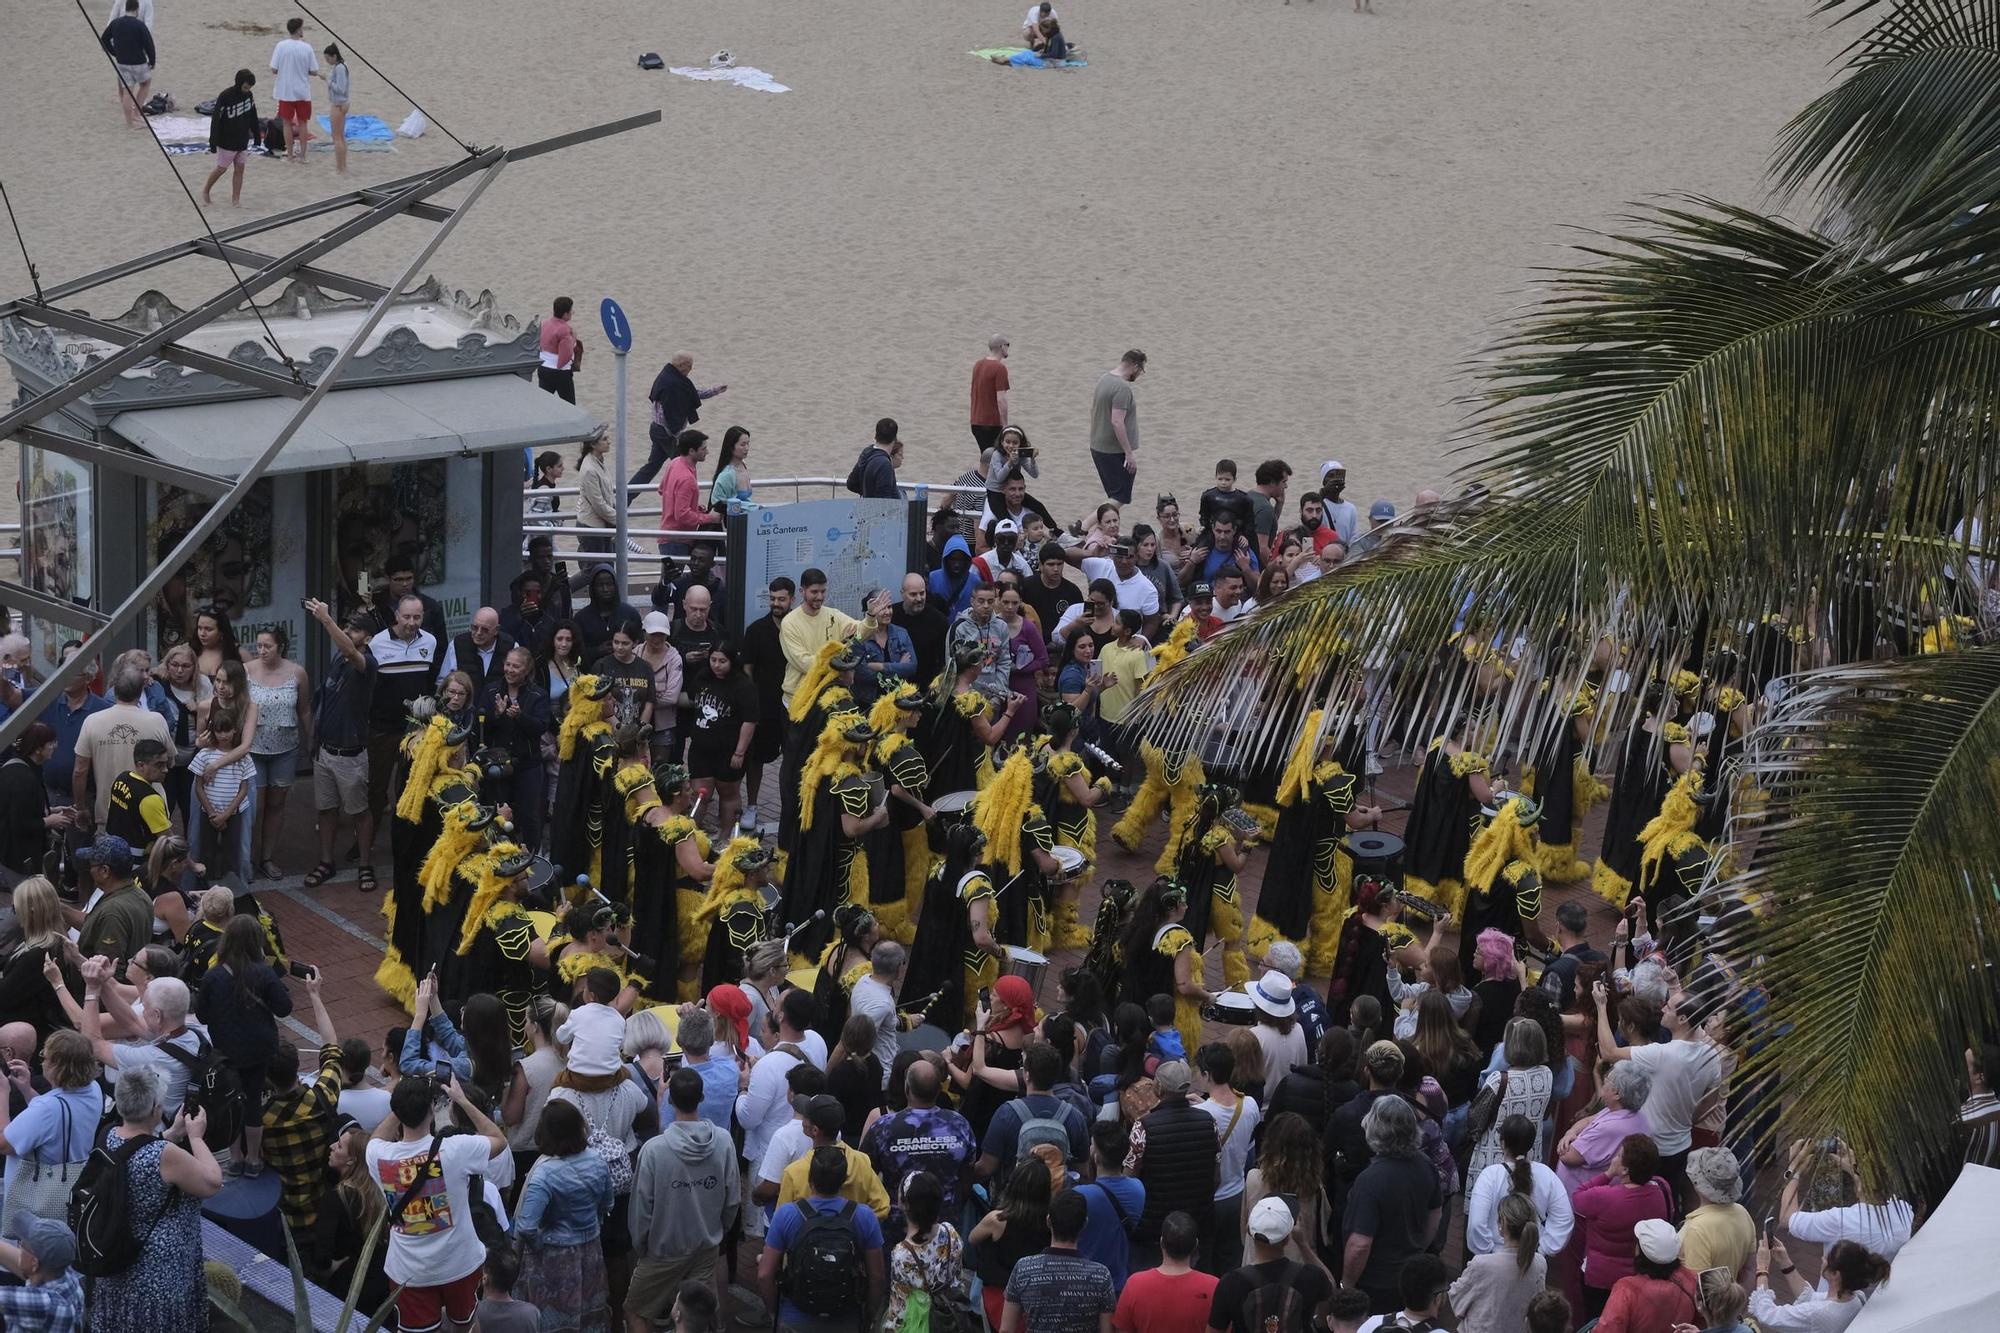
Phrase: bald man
x=479 y=652
x=926 y=626
x=676 y=406
x=989 y=393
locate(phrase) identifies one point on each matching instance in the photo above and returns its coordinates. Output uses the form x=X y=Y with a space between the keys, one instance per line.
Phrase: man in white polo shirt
x=405 y=665
x=1136 y=592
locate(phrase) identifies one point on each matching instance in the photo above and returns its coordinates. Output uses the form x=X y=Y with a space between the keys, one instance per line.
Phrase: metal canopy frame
x=410 y=195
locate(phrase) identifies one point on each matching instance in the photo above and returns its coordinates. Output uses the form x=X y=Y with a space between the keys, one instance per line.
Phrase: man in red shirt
x=1172 y=1298
x=680 y=494
x=561 y=353
x=989 y=392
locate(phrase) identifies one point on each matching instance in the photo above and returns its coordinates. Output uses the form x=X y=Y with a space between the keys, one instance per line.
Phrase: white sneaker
x=747 y=821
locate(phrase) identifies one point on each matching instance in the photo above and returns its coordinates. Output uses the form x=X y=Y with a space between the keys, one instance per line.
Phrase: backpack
x=1277 y=1307
x=215 y=1087
x=929 y=1309
x=1039 y=1129
x=823 y=1263
x=651 y=60
x=611 y=1149
x=100 y=1212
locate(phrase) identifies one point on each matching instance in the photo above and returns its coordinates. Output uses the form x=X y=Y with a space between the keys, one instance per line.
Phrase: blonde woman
x=349 y=1205
x=195 y=693
x=56 y=1129
x=24 y=989
x=599 y=495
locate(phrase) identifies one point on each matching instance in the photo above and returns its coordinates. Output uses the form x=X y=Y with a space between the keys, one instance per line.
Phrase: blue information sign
x=616 y=327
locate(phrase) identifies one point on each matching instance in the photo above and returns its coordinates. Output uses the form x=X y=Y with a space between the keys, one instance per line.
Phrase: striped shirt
x=404 y=670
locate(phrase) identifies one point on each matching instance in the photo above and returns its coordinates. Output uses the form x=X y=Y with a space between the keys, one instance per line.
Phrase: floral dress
x=165 y=1292
x=935 y=1266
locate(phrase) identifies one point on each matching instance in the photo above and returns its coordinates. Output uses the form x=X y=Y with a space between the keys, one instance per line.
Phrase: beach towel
x=1022 y=58
x=743 y=76
x=180 y=134
x=365 y=134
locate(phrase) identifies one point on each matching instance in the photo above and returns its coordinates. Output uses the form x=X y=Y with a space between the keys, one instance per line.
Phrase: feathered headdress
x=828 y=756
x=817 y=677
x=503 y=863
x=585 y=707
x=1001 y=811
x=426 y=761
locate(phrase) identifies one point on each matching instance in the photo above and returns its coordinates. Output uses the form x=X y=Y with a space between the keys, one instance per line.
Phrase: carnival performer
x=844 y=962
x=1165 y=777
x=731 y=918
x=590 y=939
x=1722 y=749
x=1070 y=798
x=1655 y=757
x=1020 y=846
x=618 y=849
x=499 y=952
x=1361 y=959
x=585 y=753
x=837 y=810
x=899 y=853
x=1560 y=778
x=1493 y=897
x=1162 y=958
x=965 y=725
x=955 y=954
x=1308 y=874
x=451 y=875
x=435 y=778
x=1212 y=850
x=827 y=688
x=1444 y=814
x=670 y=876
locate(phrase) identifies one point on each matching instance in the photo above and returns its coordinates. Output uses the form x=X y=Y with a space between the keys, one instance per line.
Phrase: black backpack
x=214 y=1086
x=100 y=1211
x=823 y=1264
x=1277 y=1307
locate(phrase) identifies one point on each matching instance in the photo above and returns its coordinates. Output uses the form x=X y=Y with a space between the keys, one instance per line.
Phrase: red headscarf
x=730 y=1004
x=1013 y=1004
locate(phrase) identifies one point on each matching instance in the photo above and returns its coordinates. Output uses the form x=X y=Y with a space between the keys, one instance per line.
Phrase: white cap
x=1658 y=1240
x=656 y=622
x=1331 y=465
x=1006 y=525
x=1272 y=993
x=1270 y=1220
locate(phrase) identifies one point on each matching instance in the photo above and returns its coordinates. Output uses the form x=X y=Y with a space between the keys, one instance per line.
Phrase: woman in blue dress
x=166 y=1180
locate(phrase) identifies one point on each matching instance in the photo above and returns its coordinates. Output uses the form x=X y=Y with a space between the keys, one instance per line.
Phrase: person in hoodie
x=599 y=618
x=232 y=132
x=952 y=583
x=685 y=1197
x=526 y=617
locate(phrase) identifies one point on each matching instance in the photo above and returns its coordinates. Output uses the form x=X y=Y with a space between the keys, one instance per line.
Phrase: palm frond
x=1879 y=860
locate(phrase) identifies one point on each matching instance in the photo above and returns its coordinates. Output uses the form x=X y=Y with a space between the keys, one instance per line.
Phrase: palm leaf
x=1874 y=956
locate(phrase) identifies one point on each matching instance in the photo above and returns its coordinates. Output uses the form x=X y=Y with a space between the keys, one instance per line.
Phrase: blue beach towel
x=361 y=129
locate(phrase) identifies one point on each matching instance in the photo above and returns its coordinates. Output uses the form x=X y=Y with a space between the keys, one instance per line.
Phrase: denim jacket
x=898 y=657
x=565 y=1200
x=418 y=1054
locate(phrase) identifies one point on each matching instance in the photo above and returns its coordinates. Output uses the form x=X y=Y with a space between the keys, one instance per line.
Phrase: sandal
x=318 y=875
x=366 y=879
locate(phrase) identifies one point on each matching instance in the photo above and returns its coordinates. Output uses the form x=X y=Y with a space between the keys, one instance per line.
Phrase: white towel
x=743 y=76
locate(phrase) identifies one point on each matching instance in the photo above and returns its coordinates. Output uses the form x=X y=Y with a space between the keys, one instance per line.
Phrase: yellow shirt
x=1718 y=1235
x=802 y=636
x=862 y=1184
x=1130 y=665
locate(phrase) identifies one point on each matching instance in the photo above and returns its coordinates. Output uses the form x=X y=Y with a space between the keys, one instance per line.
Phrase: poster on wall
x=860 y=544
x=430 y=511
x=250 y=572
x=56 y=547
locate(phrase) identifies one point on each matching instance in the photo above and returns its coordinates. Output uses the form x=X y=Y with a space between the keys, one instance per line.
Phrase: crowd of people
x=670 y=1058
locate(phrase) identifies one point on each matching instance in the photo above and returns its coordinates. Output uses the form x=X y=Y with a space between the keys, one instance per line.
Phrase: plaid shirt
x=51 y=1307
x=298 y=1124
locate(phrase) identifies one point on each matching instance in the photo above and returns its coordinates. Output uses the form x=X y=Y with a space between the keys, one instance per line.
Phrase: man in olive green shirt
x=120 y=922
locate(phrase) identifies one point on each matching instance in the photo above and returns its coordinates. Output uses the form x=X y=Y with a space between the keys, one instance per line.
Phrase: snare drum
x=1232 y=1008
x=1377 y=854
x=954 y=802
x=1026 y=964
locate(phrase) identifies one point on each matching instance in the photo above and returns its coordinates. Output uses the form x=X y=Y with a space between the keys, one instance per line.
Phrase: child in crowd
x=596 y=1034
x=498 y=1311
x=221 y=837
x=1165 y=1043
x=1437 y=966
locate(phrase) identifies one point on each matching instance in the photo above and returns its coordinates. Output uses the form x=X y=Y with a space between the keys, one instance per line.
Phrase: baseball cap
x=48 y=1240
x=1270 y=1220
x=1201 y=590
x=1658 y=1240
x=1382 y=510
x=1331 y=465
x=826 y=1114
x=1006 y=525
x=1171 y=1079
x=656 y=622
x=110 y=851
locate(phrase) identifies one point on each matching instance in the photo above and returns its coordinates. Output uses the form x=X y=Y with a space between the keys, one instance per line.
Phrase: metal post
x=624 y=490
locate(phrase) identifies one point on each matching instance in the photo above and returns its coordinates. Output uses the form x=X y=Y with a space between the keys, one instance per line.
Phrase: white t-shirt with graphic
x=432 y=1243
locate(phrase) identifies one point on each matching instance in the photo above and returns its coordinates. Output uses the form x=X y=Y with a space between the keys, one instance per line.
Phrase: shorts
x=341 y=780
x=231 y=157
x=420 y=1309
x=134 y=76
x=712 y=765
x=654 y=1282
x=1111 y=471
x=276 y=770
x=296 y=112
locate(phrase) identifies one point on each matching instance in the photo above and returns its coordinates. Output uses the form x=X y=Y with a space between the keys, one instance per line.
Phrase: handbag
x=1485 y=1109
x=42 y=1189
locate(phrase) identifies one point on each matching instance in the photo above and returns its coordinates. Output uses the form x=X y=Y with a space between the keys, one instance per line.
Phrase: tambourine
x=1242 y=825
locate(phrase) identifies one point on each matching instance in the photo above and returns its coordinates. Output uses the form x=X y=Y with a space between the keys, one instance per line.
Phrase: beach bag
x=413 y=125
x=215 y=1087
x=43 y=1189
x=100 y=1211
x=651 y=60
x=823 y=1265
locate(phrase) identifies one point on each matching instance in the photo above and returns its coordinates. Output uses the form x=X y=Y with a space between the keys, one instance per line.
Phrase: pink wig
x=1494 y=956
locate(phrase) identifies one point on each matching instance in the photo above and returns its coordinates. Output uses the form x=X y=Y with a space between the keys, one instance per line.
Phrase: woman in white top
x=598 y=498
x=1851 y=1272
x=1518 y=1172
x=283 y=696
x=193 y=692
x=534 y=1078
x=337 y=92
x=1236 y=1119
x=1278 y=1032
x=1525 y=1086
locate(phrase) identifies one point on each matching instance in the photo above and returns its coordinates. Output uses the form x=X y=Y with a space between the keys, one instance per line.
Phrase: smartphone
x=985 y=997
x=301 y=971
x=1770 y=1225
x=444 y=1071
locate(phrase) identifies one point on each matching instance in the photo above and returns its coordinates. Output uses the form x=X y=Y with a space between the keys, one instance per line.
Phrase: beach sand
x=1309 y=218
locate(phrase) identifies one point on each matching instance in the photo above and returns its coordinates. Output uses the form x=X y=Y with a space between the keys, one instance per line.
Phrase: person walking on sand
x=337 y=88
x=295 y=65
x=130 y=43
x=989 y=393
x=232 y=129
x=1114 y=427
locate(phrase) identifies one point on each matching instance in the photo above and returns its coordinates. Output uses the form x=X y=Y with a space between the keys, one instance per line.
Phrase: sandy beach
x=1309 y=218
